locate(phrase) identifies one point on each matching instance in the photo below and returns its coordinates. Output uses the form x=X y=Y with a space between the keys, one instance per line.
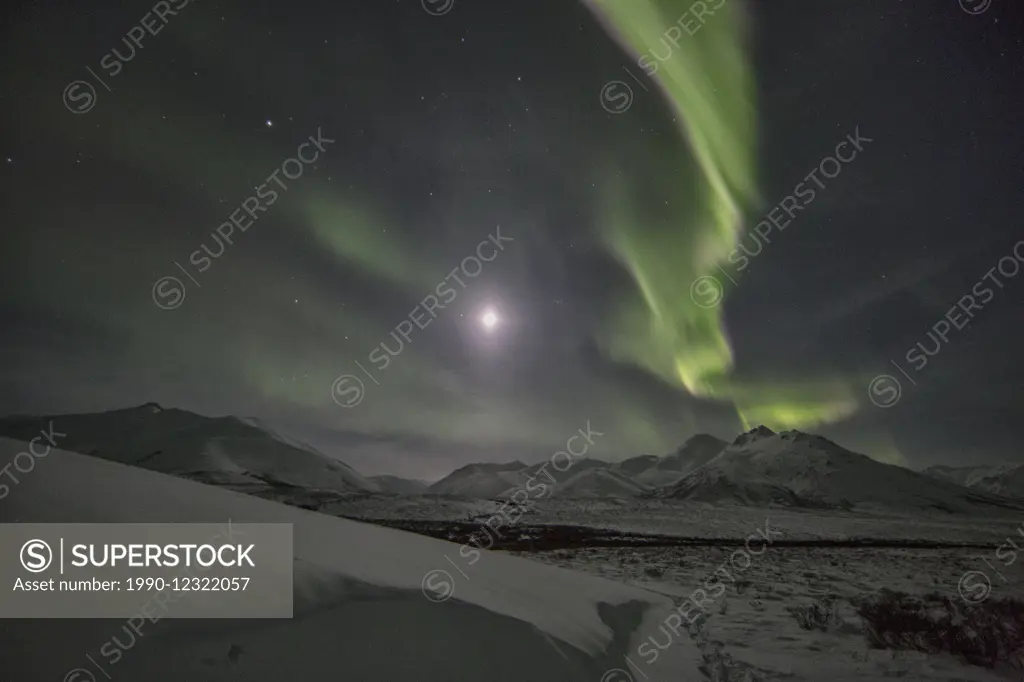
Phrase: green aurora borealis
x=447 y=127
x=708 y=82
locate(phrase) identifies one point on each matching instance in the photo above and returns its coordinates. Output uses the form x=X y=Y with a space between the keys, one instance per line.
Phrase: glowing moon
x=489 y=319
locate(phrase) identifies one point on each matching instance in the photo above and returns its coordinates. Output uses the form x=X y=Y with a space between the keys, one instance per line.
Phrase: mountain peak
x=701 y=439
x=700 y=442
x=491 y=467
x=800 y=469
x=754 y=434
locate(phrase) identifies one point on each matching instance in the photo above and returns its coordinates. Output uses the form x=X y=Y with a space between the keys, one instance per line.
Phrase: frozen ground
x=751 y=632
x=362 y=613
x=692 y=519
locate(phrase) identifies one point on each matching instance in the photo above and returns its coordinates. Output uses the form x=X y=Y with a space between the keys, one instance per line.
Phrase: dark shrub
x=982 y=634
x=822 y=615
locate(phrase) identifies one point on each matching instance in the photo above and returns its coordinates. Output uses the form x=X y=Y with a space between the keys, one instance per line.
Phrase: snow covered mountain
x=999 y=479
x=579 y=478
x=240 y=453
x=582 y=478
x=968 y=475
x=585 y=477
x=484 y=481
x=361 y=612
x=762 y=467
x=1009 y=483
x=655 y=471
x=593 y=481
x=636 y=466
x=759 y=468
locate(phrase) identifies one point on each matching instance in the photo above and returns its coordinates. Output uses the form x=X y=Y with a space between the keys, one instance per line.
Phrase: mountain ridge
x=757 y=468
x=229 y=451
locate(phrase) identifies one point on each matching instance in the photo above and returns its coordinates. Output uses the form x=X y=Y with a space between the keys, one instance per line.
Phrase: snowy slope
x=998 y=479
x=591 y=481
x=360 y=614
x=480 y=480
x=571 y=479
x=695 y=452
x=580 y=478
x=1009 y=483
x=649 y=470
x=561 y=469
x=966 y=476
x=646 y=472
x=224 y=450
x=634 y=466
x=798 y=469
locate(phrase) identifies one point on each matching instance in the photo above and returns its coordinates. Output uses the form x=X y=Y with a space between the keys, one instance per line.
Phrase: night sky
x=539 y=232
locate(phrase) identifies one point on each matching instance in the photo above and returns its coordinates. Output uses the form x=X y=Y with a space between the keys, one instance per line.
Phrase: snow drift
x=360 y=612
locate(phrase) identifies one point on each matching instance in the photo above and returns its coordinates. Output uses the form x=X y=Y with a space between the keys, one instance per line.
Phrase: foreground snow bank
x=360 y=611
